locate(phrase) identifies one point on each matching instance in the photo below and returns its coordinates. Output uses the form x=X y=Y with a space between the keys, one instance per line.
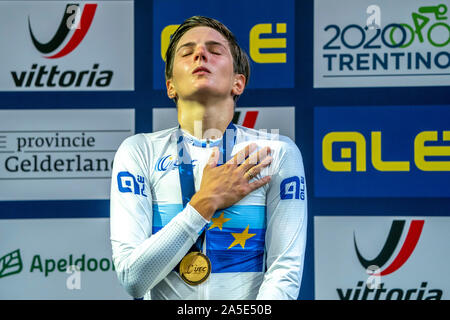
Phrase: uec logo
x=168 y=162
x=165 y=163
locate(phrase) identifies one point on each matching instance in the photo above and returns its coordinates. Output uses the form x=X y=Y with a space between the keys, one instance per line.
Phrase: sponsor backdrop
x=360 y=86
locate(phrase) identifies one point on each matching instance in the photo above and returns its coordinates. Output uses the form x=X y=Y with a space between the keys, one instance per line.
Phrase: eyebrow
x=208 y=43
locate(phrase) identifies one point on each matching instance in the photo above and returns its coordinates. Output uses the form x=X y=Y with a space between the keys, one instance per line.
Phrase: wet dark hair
x=241 y=64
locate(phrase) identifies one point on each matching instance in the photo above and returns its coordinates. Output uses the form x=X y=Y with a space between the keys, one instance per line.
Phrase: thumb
x=214 y=158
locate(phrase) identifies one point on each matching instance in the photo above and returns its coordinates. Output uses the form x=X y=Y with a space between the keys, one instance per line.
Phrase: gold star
x=218 y=222
x=240 y=238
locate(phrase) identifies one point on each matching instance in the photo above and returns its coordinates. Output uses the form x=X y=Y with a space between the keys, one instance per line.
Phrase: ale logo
x=10 y=264
x=392 y=241
x=72 y=20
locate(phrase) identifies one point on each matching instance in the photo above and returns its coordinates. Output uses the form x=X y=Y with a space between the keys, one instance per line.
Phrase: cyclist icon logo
x=438 y=34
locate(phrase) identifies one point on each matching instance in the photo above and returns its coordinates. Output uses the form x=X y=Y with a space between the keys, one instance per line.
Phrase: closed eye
x=215 y=49
x=186 y=53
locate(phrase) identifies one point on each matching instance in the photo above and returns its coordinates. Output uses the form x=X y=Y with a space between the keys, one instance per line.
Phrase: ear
x=171 y=92
x=238 y=84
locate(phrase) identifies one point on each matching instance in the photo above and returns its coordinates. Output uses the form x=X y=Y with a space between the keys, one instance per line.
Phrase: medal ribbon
x=186 y=173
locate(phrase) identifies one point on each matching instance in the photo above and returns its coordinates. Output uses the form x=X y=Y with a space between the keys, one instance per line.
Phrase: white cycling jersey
x=256 y=247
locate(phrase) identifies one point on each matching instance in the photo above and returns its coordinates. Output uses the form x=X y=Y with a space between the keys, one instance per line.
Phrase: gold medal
x=195 y=268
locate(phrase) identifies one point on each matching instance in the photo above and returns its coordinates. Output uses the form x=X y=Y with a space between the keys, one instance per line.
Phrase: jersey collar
x=203 y=143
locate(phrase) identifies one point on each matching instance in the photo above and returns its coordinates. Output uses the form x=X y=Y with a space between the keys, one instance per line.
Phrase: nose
x=200 y=54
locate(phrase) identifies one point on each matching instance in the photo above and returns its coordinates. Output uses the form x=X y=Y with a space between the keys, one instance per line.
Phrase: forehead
x=202 y=34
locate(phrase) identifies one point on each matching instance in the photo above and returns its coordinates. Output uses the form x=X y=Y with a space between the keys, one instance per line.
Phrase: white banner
x=381 y=258
x=60 y=154
x=57 y=259
x=58 y=45
x=362 y=43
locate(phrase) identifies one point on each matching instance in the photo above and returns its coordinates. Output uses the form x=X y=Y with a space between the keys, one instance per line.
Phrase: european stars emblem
x=240 y=238
x=218 y=222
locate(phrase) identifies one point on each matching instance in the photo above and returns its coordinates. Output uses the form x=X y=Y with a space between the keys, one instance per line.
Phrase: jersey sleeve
x=141 y=259
x=286 y=225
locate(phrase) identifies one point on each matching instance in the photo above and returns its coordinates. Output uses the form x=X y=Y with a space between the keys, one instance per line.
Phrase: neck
x=205 y=121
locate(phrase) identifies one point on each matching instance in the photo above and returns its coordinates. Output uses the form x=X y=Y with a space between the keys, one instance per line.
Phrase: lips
x=199 y=70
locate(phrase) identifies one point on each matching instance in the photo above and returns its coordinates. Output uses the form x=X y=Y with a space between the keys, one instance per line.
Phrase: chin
x=206 y=90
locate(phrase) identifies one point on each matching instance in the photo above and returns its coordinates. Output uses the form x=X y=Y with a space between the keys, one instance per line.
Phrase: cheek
x=180 y=71
x=177 y=68
x=225 y=70
x=228 y=69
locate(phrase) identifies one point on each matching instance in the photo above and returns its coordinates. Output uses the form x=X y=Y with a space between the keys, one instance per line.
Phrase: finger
x=214 y=158
x=254 y=159
x=254 y=171
x=259 y=183
x=242 y=154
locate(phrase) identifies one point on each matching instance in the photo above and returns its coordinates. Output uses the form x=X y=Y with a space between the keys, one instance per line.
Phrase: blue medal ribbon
x=186 y=172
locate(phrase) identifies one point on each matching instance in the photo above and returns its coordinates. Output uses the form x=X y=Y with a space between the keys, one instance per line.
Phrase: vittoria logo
x=72 y=20
x=76 y=24
x=373 y=287
x=249 y=118
x=67 y=46
x=393 y=239
x=381 y=257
